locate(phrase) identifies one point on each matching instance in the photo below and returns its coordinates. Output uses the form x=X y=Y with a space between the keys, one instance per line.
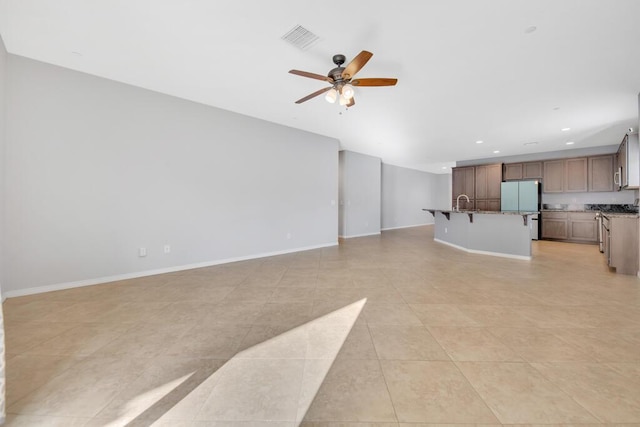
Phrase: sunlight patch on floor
x=275 y=380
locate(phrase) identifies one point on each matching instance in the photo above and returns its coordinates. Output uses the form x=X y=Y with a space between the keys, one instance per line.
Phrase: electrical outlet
x=445 y=230
x=142 y=252
x=288 y=236
x=167 y=249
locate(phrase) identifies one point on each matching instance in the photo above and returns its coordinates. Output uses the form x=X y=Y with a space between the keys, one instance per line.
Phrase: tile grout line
x=564 y=391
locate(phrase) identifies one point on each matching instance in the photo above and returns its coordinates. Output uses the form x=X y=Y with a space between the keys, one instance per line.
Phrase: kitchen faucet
x=458 y=201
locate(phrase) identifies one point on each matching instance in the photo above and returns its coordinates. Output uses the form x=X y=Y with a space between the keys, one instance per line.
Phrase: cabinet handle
x=616 y=175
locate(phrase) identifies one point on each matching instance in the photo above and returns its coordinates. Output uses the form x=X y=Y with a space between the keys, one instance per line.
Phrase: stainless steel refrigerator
x=522 y=196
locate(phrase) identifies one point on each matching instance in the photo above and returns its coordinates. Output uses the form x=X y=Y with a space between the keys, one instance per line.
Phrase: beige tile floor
x=390 y=330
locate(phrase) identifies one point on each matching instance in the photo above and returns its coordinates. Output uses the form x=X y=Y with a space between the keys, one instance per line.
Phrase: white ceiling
x=467 y=69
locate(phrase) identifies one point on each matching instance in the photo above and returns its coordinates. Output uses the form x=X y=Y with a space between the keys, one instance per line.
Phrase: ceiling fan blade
x=352 y=102
x=311 y=75
x=356 y=64
x=313 y=95
x=374 y=82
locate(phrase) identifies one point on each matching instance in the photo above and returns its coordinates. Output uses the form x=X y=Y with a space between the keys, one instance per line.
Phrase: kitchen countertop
x=607 y=214
x=566 y=210
x=621 y=214
x=471 y=211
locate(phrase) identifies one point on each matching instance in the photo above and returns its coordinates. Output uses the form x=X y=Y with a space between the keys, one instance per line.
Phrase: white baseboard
x=474 y=251
x=360 y=235
x=407 y=226
x=100 y=280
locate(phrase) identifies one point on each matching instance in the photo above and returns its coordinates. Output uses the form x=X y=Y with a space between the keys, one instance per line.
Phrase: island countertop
x=474 y=211
x=497 y=233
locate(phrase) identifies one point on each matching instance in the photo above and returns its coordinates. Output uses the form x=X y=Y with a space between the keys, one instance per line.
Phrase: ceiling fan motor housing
x=336 y=74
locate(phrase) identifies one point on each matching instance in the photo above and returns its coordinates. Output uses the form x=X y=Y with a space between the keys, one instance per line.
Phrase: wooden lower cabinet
x=580 y=227
x=555 y=225
x=583 y=227
x=623 y=242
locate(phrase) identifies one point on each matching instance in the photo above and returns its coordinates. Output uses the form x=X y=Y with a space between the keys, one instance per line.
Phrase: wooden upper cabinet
x=470 y=182
x=488 y=184
x=457 y=182
x=553 y=176
x=512 y=171
x=494 y=181
x=481 y=182
x=532 y=170
x=601 y=173
x=575 y=171
x=518 y=171
x=580 y=174
x=463 y=181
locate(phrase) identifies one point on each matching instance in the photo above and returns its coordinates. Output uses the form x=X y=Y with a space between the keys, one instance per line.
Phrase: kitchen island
x=497 y=233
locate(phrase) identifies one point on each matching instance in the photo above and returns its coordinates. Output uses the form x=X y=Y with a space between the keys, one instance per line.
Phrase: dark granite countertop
x=621 y=214
x=471 y=211
x=567 y=210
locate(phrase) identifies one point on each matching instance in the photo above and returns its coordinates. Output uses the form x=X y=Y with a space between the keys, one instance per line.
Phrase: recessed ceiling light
x=570 y=142
x=496 y=151
x=565 y=129
x=444 y=167
x=530 y=29
x=531 y=143
x=479 y=142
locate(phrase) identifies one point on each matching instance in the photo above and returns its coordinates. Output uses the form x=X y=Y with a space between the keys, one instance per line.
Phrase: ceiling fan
x=342 y=81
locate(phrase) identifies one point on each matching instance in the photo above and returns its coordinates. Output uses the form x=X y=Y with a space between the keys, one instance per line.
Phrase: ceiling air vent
x=300 y=37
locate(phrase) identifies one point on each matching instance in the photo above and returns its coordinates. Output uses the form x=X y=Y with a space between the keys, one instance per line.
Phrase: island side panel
x=454 y=231
x=500 y=234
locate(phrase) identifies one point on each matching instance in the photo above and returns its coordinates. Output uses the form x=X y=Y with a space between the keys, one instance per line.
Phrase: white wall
x=3 y=75
x=360 y=194
x=96 y=169
x=405 y=192
x=624 y=197
x=442 y=191
x=341 y=185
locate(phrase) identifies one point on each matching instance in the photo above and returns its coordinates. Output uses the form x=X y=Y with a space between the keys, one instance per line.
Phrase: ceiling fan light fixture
x=331 y=95
x=348 y=91
x=340 y=80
